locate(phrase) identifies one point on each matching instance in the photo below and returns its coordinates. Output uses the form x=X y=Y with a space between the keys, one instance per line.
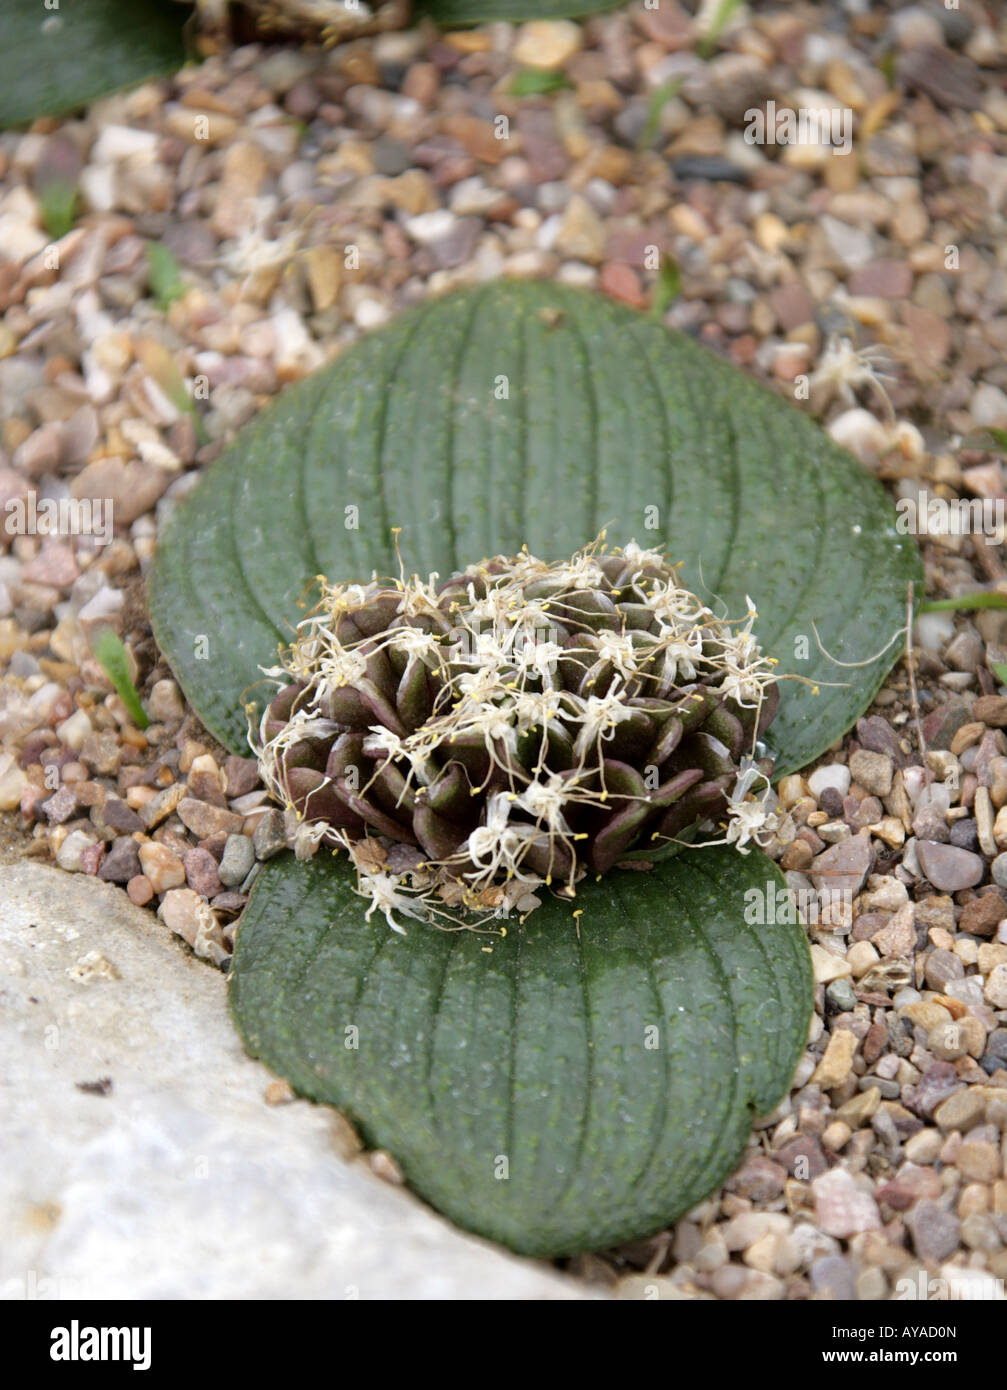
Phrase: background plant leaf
x=534 y=1048
x=54 y=60
x=526 y=412
x=529 y=82
x=113 y=658
x=164 y=274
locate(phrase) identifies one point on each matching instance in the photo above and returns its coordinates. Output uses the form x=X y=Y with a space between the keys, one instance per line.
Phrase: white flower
x=598 y=717
x=340 y=666
x=843 y=369
x=307 y=836
x=252 y=249
x=535 y=709
x=750 y=816
x=539 y=659
x=414 y=642
x=497 y=661
x=620 y=651
x=545 y=801
x=582 y=572
x=383 y=890
x=639 y=559
x=498 y=845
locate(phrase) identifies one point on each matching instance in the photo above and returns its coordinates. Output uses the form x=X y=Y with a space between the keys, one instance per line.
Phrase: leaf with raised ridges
x=560 y=1089
x=607 y=416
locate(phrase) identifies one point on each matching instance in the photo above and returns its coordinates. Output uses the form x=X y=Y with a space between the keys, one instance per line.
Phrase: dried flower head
x=843 y=369
x=515 y=728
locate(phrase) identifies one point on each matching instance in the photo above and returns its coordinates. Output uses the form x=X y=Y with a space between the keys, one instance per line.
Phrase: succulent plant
x=615 y=1066
x=516 y=727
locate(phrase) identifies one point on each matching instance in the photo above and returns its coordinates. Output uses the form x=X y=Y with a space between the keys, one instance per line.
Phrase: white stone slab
x=181 y=1182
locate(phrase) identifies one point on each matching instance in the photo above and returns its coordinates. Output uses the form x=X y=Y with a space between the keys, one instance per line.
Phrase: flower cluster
x=515 y=728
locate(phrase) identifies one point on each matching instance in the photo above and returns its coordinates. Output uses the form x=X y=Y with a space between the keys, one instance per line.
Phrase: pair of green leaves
x=579 y=1081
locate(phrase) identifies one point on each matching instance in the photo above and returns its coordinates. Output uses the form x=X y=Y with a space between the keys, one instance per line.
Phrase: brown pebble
x=761 y=1180
x=966 y=737
x=205 y=786
x=962 y=1111
x=865 y=926
x=229 y=901
x=203 y=819
x=91 y=857
x=215 y=844
x=421 y=83
x=278 y=1093
x=241 y=776
x=139 y=890
x=118 y=816
x=978 y=1161
x=622 y=283
x=991 y=710
x=874 y=1043
x=981 y=916
x=89 y=793
x=797 y=856
x=201 y=872
x=478 y=138
x=384 y=1166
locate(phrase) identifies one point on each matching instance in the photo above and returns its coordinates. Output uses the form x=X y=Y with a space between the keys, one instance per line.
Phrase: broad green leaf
x=52 y=60
x=565 y=1088
x=522 y=412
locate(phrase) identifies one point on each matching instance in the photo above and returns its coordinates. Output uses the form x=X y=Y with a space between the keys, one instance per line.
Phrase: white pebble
x=121 y=142
x=933 y=631
x=858 y=431
x=834 y=775
x=105 y=604
x=68 y=856
x=20 y=239
x=12 y=781
x=934 y=796
x=43 y=698
x=75 y=730
x=98 y=187
x=369 y=313
x=428 y=227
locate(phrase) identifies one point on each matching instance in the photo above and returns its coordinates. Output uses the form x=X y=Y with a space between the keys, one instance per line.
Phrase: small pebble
x=270 y=836
x=122 y=862
x=163 y=869
x=840 y=995
x=947 y=868
x=237 y=861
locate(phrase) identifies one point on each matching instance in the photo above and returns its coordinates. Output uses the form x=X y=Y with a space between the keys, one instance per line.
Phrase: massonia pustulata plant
x=515 y=728
x=547 y=1005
